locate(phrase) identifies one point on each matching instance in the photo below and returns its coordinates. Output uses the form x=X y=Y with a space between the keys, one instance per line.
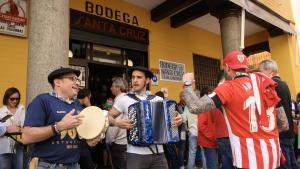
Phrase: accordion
x=152 y=123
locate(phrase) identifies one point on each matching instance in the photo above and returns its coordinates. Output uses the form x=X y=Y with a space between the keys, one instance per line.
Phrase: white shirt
x=116 y=134
x=122 y=104
x=192 y=120
x=6 y=143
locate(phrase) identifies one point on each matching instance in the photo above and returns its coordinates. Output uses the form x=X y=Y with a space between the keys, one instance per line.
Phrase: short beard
x=227 y=76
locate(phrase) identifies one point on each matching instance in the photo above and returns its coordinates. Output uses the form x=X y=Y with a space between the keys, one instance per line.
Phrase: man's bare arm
x=112 y=114
x=282 y=121
x=195 y=104
x=123 y=123
x=36 y=134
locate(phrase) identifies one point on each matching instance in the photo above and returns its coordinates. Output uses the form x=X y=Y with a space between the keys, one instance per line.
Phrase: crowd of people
x=249 y=120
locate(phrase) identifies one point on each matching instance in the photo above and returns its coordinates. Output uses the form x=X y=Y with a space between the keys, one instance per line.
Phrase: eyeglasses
x=72 y=78
x=14 y=99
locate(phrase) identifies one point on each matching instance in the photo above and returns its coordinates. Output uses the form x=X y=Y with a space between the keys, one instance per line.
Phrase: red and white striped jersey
x=253 y=135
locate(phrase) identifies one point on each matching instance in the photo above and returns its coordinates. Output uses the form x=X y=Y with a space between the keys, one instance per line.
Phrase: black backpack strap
x=133 y=96
x=156 y=153
x=150 y=97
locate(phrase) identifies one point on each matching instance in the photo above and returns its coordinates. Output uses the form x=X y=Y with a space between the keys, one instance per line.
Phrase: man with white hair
x=286 y=138
x=117 y=137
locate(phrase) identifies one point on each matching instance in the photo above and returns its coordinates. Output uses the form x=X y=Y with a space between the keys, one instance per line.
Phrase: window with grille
x=206 y=70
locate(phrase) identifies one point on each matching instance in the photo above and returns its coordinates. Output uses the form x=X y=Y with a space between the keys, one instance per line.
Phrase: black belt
x=57 y=164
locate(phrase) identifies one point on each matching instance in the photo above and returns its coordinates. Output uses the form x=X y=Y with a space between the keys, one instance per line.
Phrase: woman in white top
x=11 y=153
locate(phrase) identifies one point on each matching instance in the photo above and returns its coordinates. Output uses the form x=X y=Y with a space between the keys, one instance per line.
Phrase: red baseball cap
x=236 y=60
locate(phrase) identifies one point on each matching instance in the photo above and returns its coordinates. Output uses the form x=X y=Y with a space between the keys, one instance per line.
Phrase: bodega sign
x=110 y=13
x=92 y=23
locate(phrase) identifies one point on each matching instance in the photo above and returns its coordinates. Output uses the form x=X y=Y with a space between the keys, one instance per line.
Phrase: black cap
x=147 y=72
x=61 y=71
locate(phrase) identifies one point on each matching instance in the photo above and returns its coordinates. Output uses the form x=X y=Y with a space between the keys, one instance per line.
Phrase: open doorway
x=100 y=82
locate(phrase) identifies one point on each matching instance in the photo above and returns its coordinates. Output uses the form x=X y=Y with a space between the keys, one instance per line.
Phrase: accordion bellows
x=152 y=123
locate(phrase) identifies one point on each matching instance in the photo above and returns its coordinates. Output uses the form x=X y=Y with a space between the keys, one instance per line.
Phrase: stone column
x=48 y=43
x=230 y=27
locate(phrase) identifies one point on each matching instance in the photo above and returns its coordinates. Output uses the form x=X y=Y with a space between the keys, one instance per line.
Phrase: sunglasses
x=14 y=99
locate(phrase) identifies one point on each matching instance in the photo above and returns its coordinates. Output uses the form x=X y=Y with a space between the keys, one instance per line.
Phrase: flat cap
x=61 y=71
x=147 y=72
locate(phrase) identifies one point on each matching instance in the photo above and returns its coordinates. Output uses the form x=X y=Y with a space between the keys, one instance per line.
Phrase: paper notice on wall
x=171 y=71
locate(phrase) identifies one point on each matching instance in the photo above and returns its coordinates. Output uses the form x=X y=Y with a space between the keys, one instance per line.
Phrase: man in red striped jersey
x=251 y=110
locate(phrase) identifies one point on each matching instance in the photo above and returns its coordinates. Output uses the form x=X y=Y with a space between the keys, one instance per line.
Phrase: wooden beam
x=169 y=7
x=259 y=47
x=273 y=30
x=193 y=12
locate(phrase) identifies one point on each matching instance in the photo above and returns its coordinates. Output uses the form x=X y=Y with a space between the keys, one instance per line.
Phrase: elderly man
x=249 y=104
x=286 y=138
x=51 y=120
x=116 y=137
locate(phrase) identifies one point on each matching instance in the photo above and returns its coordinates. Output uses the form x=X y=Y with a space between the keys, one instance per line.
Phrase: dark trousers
x=118 y=155
x=225 y=152
x=210 y=158
x=149 y=161
x=287 y=147
x=86 y=160
x=171 y=155
x=181 y=152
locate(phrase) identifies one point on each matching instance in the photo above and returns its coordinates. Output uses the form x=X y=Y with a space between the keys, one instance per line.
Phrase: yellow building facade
x=165 y=43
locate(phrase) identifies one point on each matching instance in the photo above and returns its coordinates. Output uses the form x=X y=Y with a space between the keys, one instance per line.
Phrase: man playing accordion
x=152 y=156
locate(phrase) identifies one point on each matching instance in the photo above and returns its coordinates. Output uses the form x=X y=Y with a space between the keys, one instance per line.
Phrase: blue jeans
x=45 y=165
x=6 y=161
x=18 y=157
x=210 y=158
x=225 y=152
x=193 y=141
x=287 y=147
x=198 y=154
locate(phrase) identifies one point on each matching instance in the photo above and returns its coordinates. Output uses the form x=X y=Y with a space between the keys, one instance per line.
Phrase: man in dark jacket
x=270 y=68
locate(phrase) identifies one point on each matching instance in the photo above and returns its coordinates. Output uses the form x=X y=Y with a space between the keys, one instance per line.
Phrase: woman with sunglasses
x=11 y=114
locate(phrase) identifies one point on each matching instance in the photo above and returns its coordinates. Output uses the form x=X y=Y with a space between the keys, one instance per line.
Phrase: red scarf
x=268 y=95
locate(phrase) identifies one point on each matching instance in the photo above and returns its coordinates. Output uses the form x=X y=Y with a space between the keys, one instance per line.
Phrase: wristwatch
x=55 y=129
x=187 y=83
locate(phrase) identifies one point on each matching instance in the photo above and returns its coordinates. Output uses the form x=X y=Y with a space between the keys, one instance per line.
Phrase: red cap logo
x=236 y=60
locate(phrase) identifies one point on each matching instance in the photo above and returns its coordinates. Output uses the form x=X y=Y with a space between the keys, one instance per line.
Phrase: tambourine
x=94 y=123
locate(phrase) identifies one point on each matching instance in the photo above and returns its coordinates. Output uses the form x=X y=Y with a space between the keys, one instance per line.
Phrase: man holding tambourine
x=51 y=121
